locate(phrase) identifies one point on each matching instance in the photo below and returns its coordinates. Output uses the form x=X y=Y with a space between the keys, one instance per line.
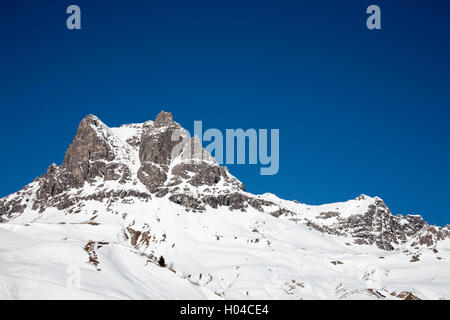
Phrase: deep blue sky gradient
x=359 y=111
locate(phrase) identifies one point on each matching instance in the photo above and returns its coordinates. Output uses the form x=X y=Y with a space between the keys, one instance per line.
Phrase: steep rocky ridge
x=144 y=161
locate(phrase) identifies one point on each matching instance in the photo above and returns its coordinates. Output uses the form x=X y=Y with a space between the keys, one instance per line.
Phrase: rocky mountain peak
x=156 y=139
x=171 y=162
x=87 y=155
x=163 y=118
x=146 y=160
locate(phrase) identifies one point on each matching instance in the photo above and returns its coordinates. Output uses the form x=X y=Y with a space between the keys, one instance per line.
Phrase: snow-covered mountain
x=98 y=225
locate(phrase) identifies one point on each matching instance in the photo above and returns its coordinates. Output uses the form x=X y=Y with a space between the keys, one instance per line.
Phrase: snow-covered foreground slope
x=213 y=255
x=96 y=227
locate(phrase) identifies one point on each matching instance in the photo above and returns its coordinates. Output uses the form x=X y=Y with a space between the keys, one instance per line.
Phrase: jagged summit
x=139 y=159
x=91 y=118
x=143 y=190
x=163 y=118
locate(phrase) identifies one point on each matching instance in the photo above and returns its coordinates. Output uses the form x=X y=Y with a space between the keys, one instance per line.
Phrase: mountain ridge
x=98 y=151
x=134 y=180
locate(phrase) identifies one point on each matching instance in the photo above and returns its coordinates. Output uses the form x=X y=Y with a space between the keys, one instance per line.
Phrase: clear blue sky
x=359 y=111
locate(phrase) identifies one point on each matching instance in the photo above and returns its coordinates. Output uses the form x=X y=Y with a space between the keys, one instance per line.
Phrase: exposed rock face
x=429 y=236
x=198 y=168
x=156 y=141
x=155 y=151
x=94 y=154
x=15 y=203
x=159 y=159
x=89 y=153
x=11 y=206
x=379 y=227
